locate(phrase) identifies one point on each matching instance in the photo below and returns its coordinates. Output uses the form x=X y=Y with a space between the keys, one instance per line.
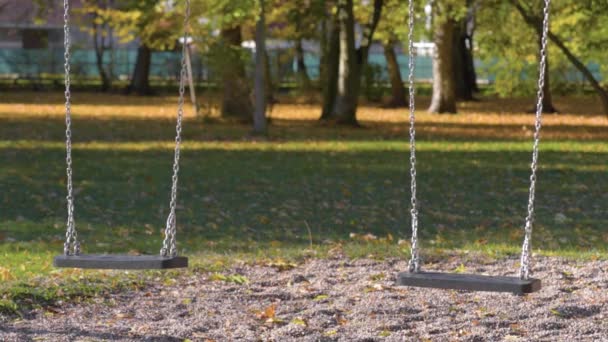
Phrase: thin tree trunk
x=303 y=78
x=368 y=34
x=268 y=80
x=259 y=116
x=548 y=97
x=547 y=94
x=470 y=25
x=330 y=68
x=535 y=23
x=444 y=88
x=601 y=92
x=110 y=47
x=99 y=46
x=236 y=102
x=470 y=75
x=398 y=98
x=140 y=83
x=195 y=105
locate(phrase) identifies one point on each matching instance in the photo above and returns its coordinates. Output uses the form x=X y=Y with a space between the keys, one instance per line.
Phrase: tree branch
x=369 y=30
x=535 y=22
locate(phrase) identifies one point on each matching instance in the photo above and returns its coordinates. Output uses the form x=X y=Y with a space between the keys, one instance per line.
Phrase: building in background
x=26 y=25
x=31 y=43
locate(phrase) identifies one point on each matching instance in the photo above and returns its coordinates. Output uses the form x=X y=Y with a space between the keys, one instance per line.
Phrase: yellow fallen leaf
x=299 y=321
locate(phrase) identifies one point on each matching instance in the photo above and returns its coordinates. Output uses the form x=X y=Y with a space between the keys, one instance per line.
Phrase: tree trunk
x=303 y=78
x=352 y=60
x=601 y=92
x=330 y=67
x=268 y=81
x=99 y=46
x=536 y=23
x=191 y=86
x=464 y=63
x=444 y=88
x=368 y=34
x=101 y=31
x=394 y=72
x=236 y=102
x=547 y=98
x=140 y=83
x=471 y=74
x=345 y=108
x=259 y=116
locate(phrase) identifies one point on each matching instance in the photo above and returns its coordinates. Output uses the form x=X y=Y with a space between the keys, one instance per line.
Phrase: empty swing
x=168 y=257
x=518 y=285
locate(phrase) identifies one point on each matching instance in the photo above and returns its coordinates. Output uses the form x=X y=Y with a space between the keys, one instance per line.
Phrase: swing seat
x=120 y=262
x=469 y=282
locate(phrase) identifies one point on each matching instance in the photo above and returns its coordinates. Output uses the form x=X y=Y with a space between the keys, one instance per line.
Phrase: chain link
x=71 y=245
x=414 y=265
x=524 y=271
x=169 y=243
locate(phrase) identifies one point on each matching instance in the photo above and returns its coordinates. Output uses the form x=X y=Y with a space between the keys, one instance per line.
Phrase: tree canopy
x=472 y=37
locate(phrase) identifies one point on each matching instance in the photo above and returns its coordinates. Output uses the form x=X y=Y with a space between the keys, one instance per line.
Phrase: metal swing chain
x=169 y=243
x=524 y=271
x=414 y=265
x=71 y=245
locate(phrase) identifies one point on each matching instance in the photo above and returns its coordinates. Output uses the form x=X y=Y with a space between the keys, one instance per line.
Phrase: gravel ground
x=337 y=300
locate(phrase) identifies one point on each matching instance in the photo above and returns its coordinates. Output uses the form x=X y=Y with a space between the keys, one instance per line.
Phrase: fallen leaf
x=268 y=313
x=331 y=333
x=299 y=321
x=460 y=269
x=384 y=333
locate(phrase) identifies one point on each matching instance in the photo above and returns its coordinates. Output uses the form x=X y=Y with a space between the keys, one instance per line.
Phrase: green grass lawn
x=300 y=194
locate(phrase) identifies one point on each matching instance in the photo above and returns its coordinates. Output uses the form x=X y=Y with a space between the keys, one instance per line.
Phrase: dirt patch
x=338 y=300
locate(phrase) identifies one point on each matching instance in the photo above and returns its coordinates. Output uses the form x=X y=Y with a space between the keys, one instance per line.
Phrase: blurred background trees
x=335 y=52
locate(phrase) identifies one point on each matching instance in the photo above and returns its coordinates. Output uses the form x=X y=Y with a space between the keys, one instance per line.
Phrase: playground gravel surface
x=336 y=299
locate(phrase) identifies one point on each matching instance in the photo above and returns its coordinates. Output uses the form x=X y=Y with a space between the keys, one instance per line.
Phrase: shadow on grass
x=252 y=198
x=156 y=129
x=238 y=200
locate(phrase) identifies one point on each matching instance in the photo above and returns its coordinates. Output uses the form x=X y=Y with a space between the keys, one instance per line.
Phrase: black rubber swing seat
x=120 y=262
x=469 y=282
